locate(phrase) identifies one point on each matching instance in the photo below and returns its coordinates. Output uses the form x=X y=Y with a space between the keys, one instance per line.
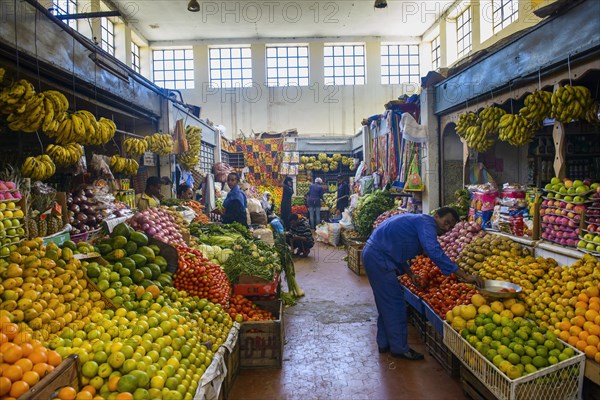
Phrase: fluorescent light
x=329 y=142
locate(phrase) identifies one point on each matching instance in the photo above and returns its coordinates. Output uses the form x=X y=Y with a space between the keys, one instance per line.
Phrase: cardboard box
x=261 y=342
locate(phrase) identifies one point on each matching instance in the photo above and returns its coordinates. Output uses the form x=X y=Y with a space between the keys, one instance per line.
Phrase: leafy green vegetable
x=369 y=208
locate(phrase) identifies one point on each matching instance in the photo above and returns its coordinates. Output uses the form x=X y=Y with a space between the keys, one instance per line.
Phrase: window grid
x=173 y=69
x=344 y=64
x=66 y=7
x=107 y=35
x=287 y=66
x=135 y=58
x=435 y=53
x=230 y=67
x=464 y=34
x=207 y=157
x=399 y=64
x=505 y=12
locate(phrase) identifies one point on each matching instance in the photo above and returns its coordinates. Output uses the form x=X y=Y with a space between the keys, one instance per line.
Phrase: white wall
x=312 y=110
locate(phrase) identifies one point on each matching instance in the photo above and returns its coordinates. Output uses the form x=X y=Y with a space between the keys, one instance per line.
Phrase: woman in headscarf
x=267 y=203
x=286 y=201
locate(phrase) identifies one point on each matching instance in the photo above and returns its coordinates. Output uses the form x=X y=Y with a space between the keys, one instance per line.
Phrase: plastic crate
x=435 y=320
x=562 y=381
x=417 y=320
x=251 y=286
x=355 y=258
x=434 y=342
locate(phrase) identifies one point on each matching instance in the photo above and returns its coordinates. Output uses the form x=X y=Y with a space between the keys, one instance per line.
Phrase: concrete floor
x=330 y=350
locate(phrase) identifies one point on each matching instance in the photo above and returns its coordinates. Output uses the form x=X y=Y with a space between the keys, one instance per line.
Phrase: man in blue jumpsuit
x=389 y=249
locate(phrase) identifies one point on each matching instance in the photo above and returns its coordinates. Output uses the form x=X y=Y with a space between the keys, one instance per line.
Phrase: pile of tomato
x=441 y=292
x=241 y=309
x=199 y=277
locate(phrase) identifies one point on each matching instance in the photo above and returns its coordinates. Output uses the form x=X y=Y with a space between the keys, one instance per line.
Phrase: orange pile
x=24 y=361
x=70 y=393
x=583 y=329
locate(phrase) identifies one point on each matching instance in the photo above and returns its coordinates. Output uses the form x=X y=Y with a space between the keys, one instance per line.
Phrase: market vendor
x=386 y=256
x=235 y=203
x=343 y=195
x=185 y=192
x=151 y=196
x=300 y=236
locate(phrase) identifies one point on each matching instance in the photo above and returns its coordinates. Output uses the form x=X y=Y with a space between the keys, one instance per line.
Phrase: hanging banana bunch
x=191 y=158
x=160 y=143
x=14 y=98
x=65 y=155
x=516 y=130
x=135 y=147
x=538 y=106
x=38 y=168
x=489 y=120
x=2 y=72
x=125 y=165
x=570 y=102
x=469 y=128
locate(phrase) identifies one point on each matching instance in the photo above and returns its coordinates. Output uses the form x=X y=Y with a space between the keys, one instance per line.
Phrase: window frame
x=461 y=36
x=57 y=5
x=107 y=35
x=186 y=67
x=337 y=75
x=135 y=55
x=225 y=66
x=394 y=61
x=290 y=72
x=436 y=54
x=500 y=7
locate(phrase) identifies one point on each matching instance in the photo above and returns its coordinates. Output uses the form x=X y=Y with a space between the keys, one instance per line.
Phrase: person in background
x=235 y=203
x=286 y=201
x=343 y=195
x=386 y=256
x=151 y=196
x=313 y=201
x=300 y=236
x=267 y=204
x=185 y=192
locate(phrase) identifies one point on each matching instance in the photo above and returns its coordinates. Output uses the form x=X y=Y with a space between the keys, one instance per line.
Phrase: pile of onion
x=461 y=235
x=159 y=224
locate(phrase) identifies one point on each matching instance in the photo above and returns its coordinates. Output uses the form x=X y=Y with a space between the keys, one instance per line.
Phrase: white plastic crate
x=562 y=381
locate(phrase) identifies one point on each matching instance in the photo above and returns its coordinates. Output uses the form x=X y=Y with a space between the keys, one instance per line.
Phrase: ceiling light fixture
x=380 y=3
x=193 y=6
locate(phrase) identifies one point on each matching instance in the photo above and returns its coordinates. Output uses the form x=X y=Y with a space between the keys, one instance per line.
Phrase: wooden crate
x=261 y=342
x=355 y=258
x=64 y=375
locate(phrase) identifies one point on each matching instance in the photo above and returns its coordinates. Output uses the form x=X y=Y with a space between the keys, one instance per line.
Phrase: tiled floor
x=330 y=350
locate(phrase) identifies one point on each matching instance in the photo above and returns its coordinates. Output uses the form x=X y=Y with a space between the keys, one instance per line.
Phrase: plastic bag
x=277 y=225
x=414 y=181
x=100 y=165
x=221 y=170
x=329 y=233
x=254 y=206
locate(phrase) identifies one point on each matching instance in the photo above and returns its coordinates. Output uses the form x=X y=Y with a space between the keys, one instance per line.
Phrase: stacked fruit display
x=241 y=309
x=386 y=215
x=583 y=329
x=589 y=235
x=562 y=210
x=441 y=292
x=460 y=236
x=161 y=223
x=25 y=360
x=43 y=286
x=498 y=331
x=85 y=212
x=12 y=228
x=323 y=162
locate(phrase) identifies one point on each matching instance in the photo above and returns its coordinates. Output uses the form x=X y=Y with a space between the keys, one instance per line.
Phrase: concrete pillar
x=445 y=56
x=367 y=143
x=430 y=162
x=475 y=26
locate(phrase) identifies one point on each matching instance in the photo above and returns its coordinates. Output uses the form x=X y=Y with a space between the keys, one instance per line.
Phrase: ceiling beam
x=98 y=14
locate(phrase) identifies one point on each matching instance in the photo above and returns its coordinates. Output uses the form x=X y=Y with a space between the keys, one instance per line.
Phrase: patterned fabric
x=263 y=158
x=302 y=229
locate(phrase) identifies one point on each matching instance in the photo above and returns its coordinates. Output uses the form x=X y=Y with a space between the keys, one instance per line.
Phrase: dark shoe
x=383 y=350
x=409 y=355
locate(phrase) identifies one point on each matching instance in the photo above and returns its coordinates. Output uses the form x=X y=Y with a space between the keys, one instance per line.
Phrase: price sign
x=149 y=159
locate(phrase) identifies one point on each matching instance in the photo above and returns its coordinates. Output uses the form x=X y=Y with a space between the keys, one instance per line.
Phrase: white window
x=435 y=53
x=344 y=64
x=66 y=7
x=464 y=33
x=107 y=37
x=505 y=13
x=135 y=57
x=230 y=66
x=399 y=64
x=174 y=68
x=287 y=66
